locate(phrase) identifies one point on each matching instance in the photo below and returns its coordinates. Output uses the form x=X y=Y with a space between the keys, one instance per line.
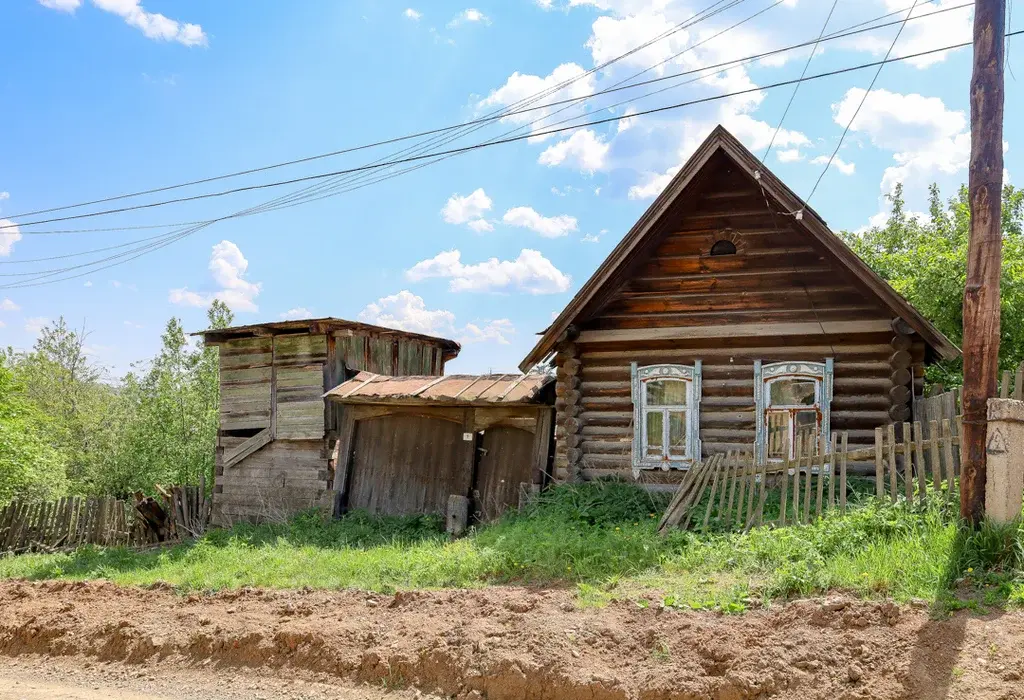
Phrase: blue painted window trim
x=638 y=377
x=764 y=374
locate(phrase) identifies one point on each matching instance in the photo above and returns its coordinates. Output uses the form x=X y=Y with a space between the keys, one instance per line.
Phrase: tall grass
x=600 y=537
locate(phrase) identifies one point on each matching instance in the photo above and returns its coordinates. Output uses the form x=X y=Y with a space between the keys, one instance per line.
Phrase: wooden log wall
x=780 y=297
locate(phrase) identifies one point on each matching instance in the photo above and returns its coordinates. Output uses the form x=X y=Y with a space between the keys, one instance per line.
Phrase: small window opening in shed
x=723 y=248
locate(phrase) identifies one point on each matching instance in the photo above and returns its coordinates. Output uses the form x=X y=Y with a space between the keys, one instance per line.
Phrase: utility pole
x=984 y=256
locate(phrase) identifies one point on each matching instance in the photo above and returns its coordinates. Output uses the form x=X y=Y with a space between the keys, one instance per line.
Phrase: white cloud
x=412 y=14
x=944 y=29
x=2 y=324
x=9 y=235
x=788 y=155
x=628 y=121
x=547 y=226
x=227 y=267
x=926 y=137
x=531 y=272
x=62 y=5
x=469 y=210
x=7 y=305
x=88 y=283
x=469 y=16
x=298 y=313
x=837 y=163
x=585 y=150
x=132 y=324
x=152 y=24
x=4 y=195
x=567 y=81
x=545 y=4
x=35 y=324
x=408 y=312
x=653 y=184
x=591 y=238
x=497 y=330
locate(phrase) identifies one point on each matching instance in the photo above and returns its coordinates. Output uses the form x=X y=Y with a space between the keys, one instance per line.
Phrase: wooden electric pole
x=984 y=256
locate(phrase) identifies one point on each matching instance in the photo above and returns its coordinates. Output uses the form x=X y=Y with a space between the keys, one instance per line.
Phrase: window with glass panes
x=792 y=400
x=665 y=401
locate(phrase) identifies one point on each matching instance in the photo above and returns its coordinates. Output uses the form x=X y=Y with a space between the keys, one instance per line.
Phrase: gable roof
x=720 y=140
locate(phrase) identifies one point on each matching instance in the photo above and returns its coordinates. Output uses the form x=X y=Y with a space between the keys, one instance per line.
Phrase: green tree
x=170 y=411
x=30 y=467
x=925 y=259
x=65 y=385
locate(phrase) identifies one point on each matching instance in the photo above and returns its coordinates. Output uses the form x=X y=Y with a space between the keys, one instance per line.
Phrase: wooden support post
x=984 y=252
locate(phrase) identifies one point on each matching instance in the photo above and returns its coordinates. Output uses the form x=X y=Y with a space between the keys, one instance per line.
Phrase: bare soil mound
x=509 y=643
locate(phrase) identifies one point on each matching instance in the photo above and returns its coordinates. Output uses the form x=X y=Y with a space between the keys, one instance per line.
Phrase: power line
x=796 y=88
x=503 y=114
x=693 y=19
x=161 y=242
x=862 y=100
x=385 y=164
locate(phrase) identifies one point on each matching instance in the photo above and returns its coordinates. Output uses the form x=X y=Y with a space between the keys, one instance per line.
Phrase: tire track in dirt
x=513 y=643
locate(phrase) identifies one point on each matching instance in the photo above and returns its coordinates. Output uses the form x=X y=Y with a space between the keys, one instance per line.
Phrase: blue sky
x=105 y=97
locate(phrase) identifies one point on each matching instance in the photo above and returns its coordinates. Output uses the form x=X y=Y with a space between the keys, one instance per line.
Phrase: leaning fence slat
x=879 y=463
x=796 y=483
x=1018 y=383
x=725 y=487
x=890 y=440
x=908 y=475
x=762 y=495
x=784 y=491
x=699 y=488
x=751 y=485
x=947 y=453
x=821 y=476
x=922 y=483
x=809 y=450
x=711 y=498
x=832 y=472
x=842 y=473
x=734 y=475
x=1004 y=389
x=933 y=453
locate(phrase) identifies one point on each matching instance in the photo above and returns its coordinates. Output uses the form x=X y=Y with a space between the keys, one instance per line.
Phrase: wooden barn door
x=406 y=464
x=506 y=460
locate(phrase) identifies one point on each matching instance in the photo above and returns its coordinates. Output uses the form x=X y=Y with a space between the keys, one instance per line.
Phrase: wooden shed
x=728 y=318
x=408 y=443
x=276 y=431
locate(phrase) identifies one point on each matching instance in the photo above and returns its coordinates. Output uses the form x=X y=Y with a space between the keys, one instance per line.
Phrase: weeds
x=600 y=537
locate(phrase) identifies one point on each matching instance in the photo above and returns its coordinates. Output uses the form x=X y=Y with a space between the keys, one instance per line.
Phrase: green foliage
x=925 y=259
x=30 y=467
x=158 y=424
x=612 y=553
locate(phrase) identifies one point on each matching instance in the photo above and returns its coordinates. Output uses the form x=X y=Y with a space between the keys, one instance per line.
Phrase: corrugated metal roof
x=450 y=390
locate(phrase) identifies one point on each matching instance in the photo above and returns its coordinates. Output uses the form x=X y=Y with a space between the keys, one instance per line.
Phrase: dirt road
x=518 y=644
x=47 y=678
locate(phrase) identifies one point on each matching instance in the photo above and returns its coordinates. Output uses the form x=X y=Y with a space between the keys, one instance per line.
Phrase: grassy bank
x=599 y=537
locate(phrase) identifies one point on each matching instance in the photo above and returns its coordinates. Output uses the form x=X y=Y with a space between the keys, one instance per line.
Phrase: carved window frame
x=640 y=377
x=822 y=373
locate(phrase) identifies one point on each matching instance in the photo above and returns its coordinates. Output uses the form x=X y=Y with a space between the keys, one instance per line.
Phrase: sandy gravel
x=513 y=644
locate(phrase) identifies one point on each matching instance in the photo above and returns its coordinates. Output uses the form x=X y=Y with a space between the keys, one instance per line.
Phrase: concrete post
x=1004 y=487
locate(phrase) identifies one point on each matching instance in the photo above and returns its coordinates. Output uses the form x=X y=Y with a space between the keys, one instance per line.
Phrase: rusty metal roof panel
x=450 y=390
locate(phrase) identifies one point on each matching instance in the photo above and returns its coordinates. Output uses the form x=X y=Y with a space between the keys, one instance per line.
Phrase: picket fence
x=910 y=461
x=179 y=513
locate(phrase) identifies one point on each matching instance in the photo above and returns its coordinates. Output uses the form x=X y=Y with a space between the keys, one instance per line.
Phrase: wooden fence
x=181 y=512
x=909 y=461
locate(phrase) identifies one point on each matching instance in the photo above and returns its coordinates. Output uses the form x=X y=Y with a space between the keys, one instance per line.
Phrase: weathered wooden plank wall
x=245 y=369
x=506 y=461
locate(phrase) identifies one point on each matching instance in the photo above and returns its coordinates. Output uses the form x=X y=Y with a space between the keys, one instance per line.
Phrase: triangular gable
x=634 y=242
